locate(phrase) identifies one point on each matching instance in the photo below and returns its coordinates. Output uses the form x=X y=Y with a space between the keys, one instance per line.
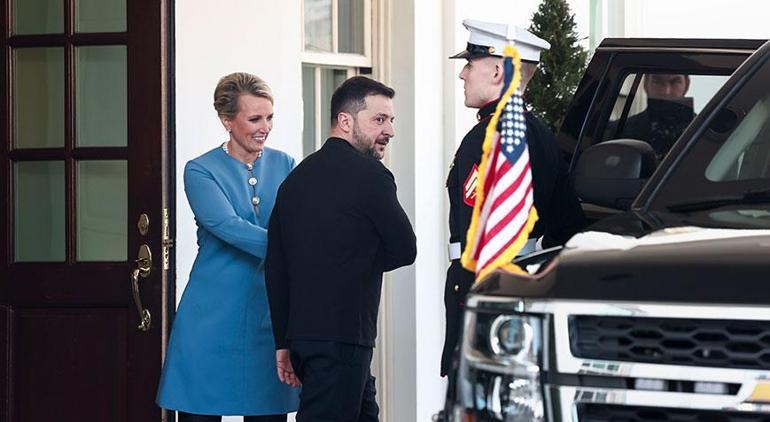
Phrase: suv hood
x=629 y=259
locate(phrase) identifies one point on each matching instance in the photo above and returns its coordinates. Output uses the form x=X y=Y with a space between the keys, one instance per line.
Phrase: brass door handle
x=143 y=268
x=144 y=314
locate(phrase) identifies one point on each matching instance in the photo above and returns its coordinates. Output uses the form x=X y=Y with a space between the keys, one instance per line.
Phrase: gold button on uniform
x=457 y=287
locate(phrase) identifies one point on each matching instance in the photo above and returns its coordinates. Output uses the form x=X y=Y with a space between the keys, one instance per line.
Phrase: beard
x=365 y=144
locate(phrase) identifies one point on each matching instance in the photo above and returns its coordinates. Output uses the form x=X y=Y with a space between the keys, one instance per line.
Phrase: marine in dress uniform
x=555 y=200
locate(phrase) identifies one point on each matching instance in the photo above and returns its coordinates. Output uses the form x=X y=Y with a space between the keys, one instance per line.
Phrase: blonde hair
x=528 y=70
x=232 y=86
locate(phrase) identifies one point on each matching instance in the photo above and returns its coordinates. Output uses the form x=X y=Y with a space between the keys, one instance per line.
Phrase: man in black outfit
x=335 y=228
x=555 y=200
x=667 y=115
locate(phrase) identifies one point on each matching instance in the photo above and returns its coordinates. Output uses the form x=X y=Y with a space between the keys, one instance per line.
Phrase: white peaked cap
x=490 y=38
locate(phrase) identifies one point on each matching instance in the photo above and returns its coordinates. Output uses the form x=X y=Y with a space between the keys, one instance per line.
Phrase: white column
x=413 y=298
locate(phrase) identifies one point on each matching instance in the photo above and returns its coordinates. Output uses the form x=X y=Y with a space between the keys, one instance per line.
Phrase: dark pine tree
x=553 y=85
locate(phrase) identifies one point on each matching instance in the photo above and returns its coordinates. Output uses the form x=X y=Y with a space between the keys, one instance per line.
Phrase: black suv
x=660 y=310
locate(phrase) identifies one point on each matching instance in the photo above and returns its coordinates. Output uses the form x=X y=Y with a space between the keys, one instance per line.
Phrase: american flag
x=504 y=213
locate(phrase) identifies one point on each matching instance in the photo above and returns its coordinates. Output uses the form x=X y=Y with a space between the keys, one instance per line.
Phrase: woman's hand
x=285 y=370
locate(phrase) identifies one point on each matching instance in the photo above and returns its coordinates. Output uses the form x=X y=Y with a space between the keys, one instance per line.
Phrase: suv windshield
x=728 y=165
x=745 y=154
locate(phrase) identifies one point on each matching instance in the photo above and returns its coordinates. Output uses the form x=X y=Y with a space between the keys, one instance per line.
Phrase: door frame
x=150 y=115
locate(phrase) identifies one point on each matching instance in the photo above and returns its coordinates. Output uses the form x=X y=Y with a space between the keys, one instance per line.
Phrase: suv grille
x=614 y=413
x=696 y=342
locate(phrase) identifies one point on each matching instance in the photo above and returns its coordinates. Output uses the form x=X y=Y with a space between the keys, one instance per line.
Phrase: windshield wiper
x=748 y=197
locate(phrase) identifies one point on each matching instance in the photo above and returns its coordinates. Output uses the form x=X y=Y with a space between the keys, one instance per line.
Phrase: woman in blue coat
x=221 y=356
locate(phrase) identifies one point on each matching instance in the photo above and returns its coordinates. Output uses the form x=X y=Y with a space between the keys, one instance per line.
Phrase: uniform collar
x=486 y=110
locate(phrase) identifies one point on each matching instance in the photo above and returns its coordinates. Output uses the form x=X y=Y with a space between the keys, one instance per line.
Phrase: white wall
x=399 y=304
x=414 y=304
x=703 y=19
x=213 y=40
x=685 y=18
x=210 y=43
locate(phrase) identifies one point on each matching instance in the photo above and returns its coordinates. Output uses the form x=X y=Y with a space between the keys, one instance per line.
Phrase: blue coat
x=221 y=353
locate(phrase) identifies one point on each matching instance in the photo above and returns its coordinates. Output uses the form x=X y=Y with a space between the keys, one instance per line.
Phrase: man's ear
x=499 y=75
x=345 y=122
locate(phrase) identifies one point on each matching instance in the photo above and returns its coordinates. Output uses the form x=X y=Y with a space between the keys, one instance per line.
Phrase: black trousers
x=337 y=384
x=458 y=283
x=189 y=417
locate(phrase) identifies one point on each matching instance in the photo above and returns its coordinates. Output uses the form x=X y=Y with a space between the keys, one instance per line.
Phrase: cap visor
x=465 y=54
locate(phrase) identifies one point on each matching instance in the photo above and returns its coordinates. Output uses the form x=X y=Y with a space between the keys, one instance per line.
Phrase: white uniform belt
x=454 y=250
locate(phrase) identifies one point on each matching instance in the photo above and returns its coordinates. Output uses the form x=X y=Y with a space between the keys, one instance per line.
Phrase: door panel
x=83 y=145
x=54 y=348
x=81 y=284
x=5 y=405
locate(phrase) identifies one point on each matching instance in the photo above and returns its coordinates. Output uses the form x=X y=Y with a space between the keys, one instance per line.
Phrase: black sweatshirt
x=335 y=228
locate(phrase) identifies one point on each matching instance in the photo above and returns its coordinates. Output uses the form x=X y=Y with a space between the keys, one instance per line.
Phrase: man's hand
x=285 y=370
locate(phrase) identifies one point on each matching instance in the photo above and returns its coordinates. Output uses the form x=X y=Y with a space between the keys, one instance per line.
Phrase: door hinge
x=168 y=242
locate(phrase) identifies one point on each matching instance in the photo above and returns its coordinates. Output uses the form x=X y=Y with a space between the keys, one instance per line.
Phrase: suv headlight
x=499 y=377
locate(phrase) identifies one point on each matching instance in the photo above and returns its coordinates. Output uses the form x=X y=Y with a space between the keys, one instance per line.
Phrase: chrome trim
x=569 y=397
x=512 y=303
x=675 y=50
x=617 y=308
x=560 y=310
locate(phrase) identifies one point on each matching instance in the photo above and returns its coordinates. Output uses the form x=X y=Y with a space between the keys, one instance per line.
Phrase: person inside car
x=669 y=111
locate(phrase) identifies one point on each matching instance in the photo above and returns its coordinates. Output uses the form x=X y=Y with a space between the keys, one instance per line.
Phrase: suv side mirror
x=612 y=173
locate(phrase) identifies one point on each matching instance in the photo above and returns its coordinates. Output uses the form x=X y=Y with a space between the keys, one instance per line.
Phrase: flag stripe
x=510 y=172
x=503 y=204
x=514 y=210
x=521 y=178
x=500 y=250
x=495 y=244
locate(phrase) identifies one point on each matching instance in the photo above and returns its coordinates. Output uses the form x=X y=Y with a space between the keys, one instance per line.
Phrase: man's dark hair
x=350 y=97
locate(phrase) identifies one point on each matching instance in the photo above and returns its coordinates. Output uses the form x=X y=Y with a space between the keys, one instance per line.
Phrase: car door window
x=614 y=83
x=657 y=107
